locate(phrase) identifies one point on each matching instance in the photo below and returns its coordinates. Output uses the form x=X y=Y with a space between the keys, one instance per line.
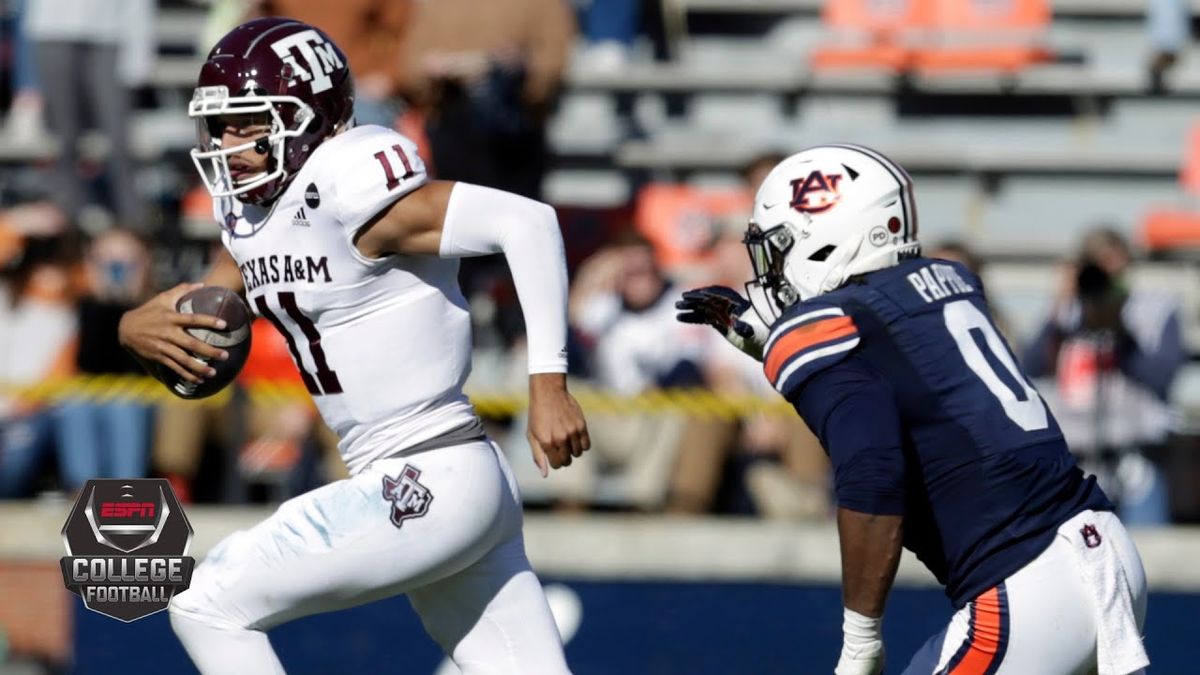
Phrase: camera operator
x=1113 y=350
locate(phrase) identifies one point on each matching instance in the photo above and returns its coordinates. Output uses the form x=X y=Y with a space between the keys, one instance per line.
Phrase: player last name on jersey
x=937 y=282
x=274 y=269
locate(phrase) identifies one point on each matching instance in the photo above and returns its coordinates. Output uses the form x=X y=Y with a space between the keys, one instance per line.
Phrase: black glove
x=729 y=313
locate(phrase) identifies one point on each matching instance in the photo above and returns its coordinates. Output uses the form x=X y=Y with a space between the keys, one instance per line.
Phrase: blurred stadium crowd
x=1042 y=151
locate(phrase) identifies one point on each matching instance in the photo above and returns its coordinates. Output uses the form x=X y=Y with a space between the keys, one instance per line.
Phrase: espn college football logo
x=127 y=543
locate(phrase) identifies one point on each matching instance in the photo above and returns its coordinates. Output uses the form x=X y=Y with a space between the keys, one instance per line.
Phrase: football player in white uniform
x=335 y=234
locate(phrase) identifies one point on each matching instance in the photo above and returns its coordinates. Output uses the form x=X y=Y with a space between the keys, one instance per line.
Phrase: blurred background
x=1055 y=147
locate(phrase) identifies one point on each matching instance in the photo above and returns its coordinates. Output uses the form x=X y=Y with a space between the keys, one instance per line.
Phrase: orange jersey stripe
x=985 y=643
x=805 y=337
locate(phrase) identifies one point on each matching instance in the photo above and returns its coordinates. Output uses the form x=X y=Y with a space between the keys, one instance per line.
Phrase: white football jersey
x=383 y=346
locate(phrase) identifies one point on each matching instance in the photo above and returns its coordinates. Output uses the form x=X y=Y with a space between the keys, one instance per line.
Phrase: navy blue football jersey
x=925 y=412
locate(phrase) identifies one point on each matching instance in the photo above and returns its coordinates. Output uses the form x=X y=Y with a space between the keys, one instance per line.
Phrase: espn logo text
x=127 y=510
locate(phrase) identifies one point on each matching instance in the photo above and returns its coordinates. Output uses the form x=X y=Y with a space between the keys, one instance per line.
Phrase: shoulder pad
x=372 y=168
x=806 y=340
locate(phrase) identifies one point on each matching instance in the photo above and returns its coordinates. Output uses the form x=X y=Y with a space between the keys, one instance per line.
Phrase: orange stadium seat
x=1167 y=228
x=683 y=222
x=995 y=35
x=872 y=33
x=934 y=36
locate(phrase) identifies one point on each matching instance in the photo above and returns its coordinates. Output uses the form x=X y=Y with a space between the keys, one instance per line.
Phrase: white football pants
x=443 y=526
x=1077 y=609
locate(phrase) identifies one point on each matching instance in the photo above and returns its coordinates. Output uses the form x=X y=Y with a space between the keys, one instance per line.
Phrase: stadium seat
x=1167 y=228
x=935 y=36
x=684 y=221
x=992 y=35
x=872 y=33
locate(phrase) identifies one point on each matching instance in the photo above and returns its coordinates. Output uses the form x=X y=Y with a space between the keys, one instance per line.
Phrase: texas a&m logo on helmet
x=320 y=59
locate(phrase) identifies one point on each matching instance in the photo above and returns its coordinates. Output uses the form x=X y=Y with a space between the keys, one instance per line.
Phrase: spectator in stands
x=89 y=54
x=622 y=305
x=24 y=121
x=101 y=436
x=1169 y=26
x=37 y=327
x=778 y=469
x=610 y=27
x=960 y=253
x=182 y=432
x=285 y=439
x=697 y=231
x=487 y=75
x=1114 y=349
x=371 y=32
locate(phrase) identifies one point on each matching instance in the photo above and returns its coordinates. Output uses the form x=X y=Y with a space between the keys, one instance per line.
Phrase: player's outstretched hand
x=727 y=311
x=157 y=333
x=557 y=431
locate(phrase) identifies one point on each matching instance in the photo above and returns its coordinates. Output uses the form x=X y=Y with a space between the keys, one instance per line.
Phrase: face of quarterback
x=246 y=129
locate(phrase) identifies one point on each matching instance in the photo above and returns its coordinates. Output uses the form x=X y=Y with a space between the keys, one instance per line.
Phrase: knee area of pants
x=196 y=605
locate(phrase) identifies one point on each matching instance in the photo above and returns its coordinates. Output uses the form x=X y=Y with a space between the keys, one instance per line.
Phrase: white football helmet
x=822 y=216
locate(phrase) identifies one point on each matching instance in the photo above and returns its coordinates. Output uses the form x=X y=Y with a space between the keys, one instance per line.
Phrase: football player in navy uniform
x=938 y=441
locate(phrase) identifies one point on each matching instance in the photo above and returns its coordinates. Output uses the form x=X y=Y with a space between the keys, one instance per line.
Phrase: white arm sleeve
x=480 y=221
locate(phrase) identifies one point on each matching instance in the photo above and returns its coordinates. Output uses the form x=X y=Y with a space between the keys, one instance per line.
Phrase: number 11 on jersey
x=326 y=377
x=390 y=171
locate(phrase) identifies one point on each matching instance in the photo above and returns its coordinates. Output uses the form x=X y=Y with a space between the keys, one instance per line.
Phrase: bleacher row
x=1014 y=162
x=1099 y=148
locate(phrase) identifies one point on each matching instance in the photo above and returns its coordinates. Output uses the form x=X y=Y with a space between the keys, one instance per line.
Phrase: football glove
x=727 y=311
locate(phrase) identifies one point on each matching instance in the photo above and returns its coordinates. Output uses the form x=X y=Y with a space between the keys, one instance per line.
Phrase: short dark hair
x=770 y=159
x=961 y=250
x=1104 y=235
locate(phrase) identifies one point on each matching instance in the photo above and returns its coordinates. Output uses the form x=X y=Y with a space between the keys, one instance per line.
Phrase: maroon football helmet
x=284 y=72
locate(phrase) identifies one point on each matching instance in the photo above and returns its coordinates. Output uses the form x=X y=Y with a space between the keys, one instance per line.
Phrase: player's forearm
x=482 y=220
x=870 y=554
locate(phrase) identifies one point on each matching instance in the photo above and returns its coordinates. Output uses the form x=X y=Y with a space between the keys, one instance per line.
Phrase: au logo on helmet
x=816 y=193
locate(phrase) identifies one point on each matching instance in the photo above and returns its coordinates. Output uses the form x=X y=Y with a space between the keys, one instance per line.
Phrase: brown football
x=235 y=339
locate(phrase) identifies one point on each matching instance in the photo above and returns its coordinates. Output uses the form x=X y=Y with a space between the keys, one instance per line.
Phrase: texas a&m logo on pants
x=409 y=498
x=127 y=543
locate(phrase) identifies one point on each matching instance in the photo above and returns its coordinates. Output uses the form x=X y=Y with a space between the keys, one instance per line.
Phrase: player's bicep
x=409 y=226
x=855 y=415
x=372 y=171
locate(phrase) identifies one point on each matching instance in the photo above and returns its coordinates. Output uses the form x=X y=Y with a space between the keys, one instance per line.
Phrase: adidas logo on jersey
x=301 y=219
